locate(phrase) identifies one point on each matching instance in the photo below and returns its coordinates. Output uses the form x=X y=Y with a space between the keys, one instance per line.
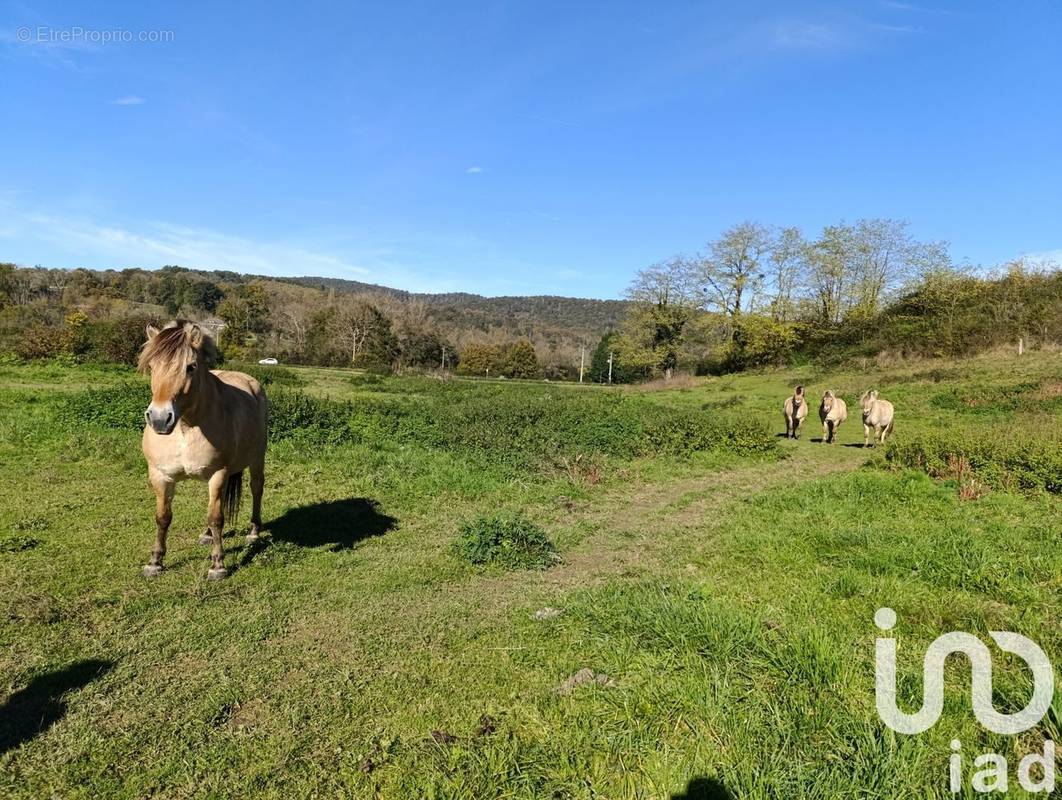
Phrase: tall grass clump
x=509 y=541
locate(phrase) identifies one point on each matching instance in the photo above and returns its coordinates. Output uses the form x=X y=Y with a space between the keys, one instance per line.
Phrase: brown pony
x=832 y=411
x=204 y=424
x=795 y=409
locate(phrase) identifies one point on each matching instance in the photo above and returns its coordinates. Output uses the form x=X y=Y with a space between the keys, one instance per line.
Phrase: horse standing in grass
x=796 y=411
x=204 y=424
x=877 y=417
x=832 y=411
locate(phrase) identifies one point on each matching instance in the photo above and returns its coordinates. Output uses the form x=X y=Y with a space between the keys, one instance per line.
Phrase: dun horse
x=203 y=424
x=877 y=417
x=796 y=411
x=833 y=411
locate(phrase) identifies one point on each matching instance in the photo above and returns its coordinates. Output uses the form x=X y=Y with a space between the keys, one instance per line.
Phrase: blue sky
x=524 y=147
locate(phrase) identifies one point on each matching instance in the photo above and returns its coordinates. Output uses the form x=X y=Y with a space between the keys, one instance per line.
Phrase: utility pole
x=582 y=361
x=610 y=366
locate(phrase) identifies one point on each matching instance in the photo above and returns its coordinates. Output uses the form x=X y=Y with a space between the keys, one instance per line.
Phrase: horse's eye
x=191 y=368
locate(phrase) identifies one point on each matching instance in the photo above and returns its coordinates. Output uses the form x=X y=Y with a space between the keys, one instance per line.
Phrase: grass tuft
x=509 y=541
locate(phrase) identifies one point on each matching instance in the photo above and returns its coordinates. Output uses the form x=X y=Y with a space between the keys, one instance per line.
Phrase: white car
x=269 y=361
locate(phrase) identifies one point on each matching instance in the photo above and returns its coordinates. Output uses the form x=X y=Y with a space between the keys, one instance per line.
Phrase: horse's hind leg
x=216 y=520
x=163 y=516
x=257 y=484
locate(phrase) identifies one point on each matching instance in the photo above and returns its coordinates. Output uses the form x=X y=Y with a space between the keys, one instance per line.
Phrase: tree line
x=760 y=296
x=754 y=296
x=101 y=315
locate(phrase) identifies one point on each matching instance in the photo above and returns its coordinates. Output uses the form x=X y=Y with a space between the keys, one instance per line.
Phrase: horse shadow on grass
x=34 y=709
x=337 y=524
x=704 y=789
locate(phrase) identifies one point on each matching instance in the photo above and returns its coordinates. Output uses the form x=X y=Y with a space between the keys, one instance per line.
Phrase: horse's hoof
x=152 y=570
x=217 y=574
x=206 y=538
x=251 y=538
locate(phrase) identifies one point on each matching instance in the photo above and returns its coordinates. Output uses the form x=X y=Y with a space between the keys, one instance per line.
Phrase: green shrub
x=270 y=374
x=117 y=408
x=997 y=457
x=510 y=541
x=43 y=342
x=296 y=414
x=119 y=340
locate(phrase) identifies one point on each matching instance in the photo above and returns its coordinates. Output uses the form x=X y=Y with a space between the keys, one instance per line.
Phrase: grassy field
x=717 y=581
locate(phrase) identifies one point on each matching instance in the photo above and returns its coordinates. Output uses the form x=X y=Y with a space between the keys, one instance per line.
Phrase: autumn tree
x=479 y=359
x=519 y=360
x=245 y=310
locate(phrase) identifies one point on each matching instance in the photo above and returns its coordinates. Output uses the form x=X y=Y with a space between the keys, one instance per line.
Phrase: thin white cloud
x=878 y=26
x=34 y=42
x=474 y=170
x=163 y=243
x=128 y=100
x=413 y=259
x=798 y=34
x=1045 y=257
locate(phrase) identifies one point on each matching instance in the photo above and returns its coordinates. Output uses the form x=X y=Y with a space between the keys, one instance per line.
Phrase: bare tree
x=731 y=276
x=787 y=264
x=829 y=262
x=355 y=324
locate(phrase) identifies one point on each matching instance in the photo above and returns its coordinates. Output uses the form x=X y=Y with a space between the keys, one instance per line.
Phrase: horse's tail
x=230 y=501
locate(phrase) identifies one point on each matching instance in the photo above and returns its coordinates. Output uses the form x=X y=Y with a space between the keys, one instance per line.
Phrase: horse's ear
x=152 y=332
x=195 y=337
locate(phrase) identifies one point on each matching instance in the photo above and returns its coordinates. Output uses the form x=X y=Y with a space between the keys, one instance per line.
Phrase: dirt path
x=634 y=526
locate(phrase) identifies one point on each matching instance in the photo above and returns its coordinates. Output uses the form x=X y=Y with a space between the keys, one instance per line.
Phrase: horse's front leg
x=216 y=521
x=163 y=487
x=866 y=435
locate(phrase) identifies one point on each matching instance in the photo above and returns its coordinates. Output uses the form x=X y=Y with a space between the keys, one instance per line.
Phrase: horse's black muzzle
x=162 y=420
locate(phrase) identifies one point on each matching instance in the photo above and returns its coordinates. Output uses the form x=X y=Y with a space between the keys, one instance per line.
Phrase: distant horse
x=204 y=424
x=877 y=416
x=833 y=411
x=796 y=411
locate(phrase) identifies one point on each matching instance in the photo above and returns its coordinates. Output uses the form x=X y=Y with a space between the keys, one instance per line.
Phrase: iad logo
x=994 y=775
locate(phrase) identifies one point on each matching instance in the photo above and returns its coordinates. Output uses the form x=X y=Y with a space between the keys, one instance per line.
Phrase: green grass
x=727 y=594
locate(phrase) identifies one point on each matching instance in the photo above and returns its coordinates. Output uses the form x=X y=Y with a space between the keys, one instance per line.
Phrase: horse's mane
x=179 y=344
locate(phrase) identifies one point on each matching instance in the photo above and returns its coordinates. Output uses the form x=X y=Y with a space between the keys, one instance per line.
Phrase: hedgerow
x=504 y=425
x=998 y=457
